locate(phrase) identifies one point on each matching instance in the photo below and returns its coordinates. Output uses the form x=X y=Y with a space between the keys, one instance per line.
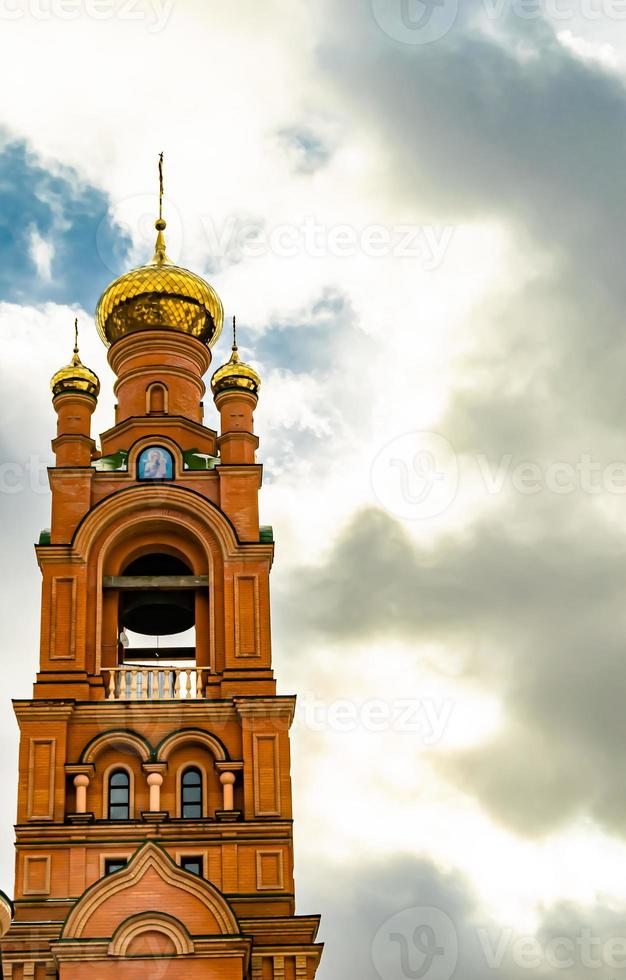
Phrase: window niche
x=157 y=399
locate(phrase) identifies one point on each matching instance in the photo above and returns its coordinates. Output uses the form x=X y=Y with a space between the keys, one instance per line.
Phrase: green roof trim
x=109 y=464
x=45 y=536
x=266 y=534
x=193 y=460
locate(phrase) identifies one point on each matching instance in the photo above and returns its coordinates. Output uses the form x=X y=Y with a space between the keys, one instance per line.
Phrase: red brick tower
x=154 y=826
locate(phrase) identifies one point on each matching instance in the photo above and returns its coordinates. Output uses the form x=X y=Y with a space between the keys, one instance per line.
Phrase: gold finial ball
x=160 y=224
x=235 y=376
x=76 y=378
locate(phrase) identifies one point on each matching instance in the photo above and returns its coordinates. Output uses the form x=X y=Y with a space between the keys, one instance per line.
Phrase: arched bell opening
x=155 y=610
x=156 y=578
x=157 y=601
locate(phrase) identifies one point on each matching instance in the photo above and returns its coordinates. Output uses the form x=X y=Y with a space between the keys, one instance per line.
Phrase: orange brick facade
x=93 y=716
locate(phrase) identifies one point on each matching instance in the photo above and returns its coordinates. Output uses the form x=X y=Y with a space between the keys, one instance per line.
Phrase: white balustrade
x=154 y=683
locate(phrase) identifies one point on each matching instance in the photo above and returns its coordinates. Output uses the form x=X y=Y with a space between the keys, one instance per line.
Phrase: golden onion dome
x=235 y=374
x=75 y=377
x=159 y=296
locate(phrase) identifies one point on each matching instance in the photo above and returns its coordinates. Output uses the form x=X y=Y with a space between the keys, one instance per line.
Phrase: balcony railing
x=154 y=683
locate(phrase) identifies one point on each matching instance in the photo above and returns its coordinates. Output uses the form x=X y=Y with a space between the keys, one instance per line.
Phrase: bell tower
x=154 y=825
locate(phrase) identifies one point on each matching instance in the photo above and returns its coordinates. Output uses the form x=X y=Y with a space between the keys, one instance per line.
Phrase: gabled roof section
x=150 y=882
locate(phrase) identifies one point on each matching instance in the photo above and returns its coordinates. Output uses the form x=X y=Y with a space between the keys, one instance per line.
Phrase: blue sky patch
x=57 y=241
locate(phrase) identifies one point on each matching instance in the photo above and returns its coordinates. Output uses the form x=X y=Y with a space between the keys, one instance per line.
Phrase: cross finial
x=76 y=335
x=160 y=187
x=160 y=224
x=235 y=333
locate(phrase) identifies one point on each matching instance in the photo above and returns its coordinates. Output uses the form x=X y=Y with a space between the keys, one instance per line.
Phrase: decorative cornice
x=285 y=926
x=71 y=472
x=43 y=710
x=282 y=707
x=136 y=344
x=229 y=766
x=88 y=950
x=122 y=712
x=158 y=767
x=135 y=833
x=80 y=769
x=161 y=423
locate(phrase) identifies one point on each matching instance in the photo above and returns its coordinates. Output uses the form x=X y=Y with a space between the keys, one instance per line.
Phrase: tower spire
x=160 y=257
x=75 y=376
x=235 y=333
x=160 y=186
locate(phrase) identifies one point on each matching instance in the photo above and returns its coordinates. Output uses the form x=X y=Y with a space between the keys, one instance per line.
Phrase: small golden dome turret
x=75 y=377
x=160 y=296
x=235 y=374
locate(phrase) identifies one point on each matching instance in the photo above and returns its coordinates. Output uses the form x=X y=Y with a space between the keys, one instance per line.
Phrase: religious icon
x=155 y=463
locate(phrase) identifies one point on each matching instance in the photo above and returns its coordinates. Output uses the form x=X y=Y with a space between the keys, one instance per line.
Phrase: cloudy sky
x=418 y=214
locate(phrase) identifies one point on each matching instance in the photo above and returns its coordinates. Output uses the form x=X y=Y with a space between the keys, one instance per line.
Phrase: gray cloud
x=473 y=130
x=511 y=128
x=371 y=914
x=541 y=620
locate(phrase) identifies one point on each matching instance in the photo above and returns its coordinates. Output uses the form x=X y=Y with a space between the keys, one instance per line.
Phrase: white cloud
x=42 y=254
x=601 y=52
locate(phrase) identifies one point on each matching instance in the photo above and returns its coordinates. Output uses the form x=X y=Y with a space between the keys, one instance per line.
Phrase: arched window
x=119 y=795
x=191 y=795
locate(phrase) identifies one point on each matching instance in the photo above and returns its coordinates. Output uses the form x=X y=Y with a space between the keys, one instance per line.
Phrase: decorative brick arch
x=115 y=738
x=145 y=501
x=110 y=896
x=177 y=511
x=191 y=736
x=132 y=929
